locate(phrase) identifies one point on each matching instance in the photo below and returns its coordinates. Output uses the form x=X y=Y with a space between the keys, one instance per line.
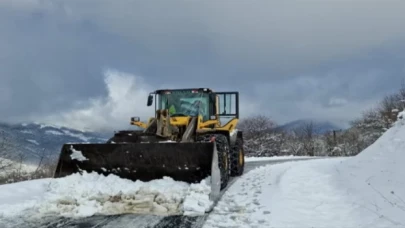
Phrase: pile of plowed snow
x=91 y=194
x=367 y=190
x=375 y=179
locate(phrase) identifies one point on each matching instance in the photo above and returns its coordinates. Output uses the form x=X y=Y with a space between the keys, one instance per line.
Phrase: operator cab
x=185 y=102
x=195 y=101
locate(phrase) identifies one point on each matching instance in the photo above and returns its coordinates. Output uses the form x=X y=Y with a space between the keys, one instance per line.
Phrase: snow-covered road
x=291 y=194
x=128 y=220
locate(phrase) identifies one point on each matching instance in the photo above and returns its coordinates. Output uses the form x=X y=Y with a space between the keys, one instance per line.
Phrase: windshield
x=185 y=103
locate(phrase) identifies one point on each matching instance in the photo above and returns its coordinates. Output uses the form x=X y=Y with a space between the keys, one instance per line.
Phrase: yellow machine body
x=186 y=140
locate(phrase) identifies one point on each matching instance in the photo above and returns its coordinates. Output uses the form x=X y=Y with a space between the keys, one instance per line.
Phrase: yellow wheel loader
x=193 y=135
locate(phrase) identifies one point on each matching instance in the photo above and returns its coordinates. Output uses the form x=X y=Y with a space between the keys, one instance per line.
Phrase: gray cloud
x=293 y=60
x=337 y=96
x=126 y=97
x=281 y=36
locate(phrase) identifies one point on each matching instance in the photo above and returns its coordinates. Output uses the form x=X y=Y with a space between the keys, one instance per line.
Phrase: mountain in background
x=320 y=127
x=34 y=139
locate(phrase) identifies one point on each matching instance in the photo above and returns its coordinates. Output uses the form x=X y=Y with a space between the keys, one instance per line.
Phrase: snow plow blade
x=188 y=162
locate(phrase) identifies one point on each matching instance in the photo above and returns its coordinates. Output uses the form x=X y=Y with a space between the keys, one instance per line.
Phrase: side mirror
x=135 y=119
x=150 y=100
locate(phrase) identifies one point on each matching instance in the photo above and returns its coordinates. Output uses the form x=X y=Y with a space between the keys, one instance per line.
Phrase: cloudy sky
x=89 y=63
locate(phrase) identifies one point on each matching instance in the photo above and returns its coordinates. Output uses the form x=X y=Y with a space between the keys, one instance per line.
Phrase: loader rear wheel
x=223 y=150
x=237 y=158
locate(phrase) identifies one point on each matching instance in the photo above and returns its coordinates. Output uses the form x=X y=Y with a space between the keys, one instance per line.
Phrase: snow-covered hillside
x=34 y=139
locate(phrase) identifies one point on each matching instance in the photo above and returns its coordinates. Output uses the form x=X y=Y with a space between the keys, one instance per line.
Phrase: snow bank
x=275 y=158
x=375 y=179
x=91 y=194
x=363 y=191
x=21 y=196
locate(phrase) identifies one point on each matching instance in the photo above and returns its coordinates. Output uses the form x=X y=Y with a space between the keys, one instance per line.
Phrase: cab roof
x=201 y=90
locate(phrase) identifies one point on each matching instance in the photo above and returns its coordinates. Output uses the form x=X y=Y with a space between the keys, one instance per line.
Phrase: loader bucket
x=188 y=162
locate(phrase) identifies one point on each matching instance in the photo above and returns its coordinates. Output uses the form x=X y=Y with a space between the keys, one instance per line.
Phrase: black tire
x=223 y=150
x=237 y=158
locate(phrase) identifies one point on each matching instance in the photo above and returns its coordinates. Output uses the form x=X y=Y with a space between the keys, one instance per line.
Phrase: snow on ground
x=89 y=194
x=292 y=194
x=276 y=158
x=363 y=191
x=376 y=185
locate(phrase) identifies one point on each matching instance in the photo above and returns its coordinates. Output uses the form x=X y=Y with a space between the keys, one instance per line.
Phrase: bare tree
x=5 y=161
x=352 y=142
x=374 y=122
x=343 y=143
x=256 y=125
x=261 y=139
x=292 y=145
x=306 y=136
x=388 y=108
x=13 y=160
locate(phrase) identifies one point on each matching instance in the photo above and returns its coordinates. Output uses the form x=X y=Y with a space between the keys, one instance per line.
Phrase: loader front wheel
x=223 y=150
x=237 y=158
